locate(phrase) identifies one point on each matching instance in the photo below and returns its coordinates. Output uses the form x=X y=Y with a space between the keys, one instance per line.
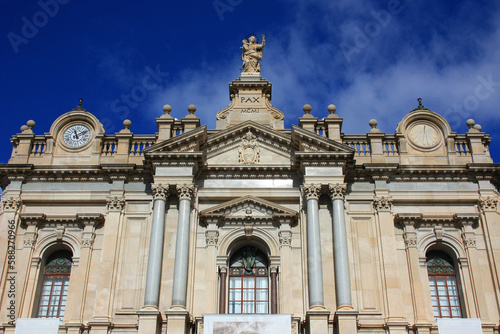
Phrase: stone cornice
x=249 y=172
x=80 y=220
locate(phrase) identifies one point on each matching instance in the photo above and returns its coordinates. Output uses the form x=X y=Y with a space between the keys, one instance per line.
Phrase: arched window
x=54 y=290
x=443 y=284
x=248 y=282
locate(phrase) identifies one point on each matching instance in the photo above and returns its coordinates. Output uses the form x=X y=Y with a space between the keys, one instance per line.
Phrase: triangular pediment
x=249 y=209
x=190 y=141
x=249 y=144
x=307 y=141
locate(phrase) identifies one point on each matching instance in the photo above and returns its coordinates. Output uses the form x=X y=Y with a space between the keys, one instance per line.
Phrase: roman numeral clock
x=76 y=135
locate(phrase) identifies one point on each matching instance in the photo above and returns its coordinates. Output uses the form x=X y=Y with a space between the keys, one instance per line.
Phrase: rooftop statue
x=251 y=54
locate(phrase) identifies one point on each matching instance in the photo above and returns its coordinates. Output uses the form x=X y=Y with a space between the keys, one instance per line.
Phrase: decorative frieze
x=312 y=191
x=160 y=191
x=115 y=203
x=212 y=238
x=337 y=190
x=11 y=203
x=383 y=203
x=488 y=203
x=285 y=238
x=186 y=191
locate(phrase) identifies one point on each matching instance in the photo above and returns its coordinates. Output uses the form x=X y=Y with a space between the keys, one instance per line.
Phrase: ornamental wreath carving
x=249 y=151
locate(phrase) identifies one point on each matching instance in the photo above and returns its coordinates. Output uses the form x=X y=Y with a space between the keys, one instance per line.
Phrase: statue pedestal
x=346 y=320
x=178 y=321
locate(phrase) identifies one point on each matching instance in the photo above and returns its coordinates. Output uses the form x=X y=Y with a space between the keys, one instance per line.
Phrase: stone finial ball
x=307 y=108
x=167 y=108
x=191 y=108
x=332 y=108
x=31 y=124
x=373 y=123
x=24 y=128
x=470 y=123
x=478 y=127
x=127 y=123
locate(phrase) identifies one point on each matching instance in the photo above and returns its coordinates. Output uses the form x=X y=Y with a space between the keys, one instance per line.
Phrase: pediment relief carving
x=248 y=209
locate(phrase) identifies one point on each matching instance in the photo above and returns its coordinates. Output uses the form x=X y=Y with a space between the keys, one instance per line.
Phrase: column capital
x=383 y=203
x=223 y=269
x=160 y=191
x=212 y=238
x=273 y=270
x=285 y=238
x=311 y=191
x=186 y=191
x=337 y=190
x=488 y=203
x=115 y=203
x=11 y=203
x=411 y=240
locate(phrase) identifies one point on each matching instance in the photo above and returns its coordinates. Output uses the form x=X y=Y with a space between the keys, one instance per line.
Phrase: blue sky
x=372 y=59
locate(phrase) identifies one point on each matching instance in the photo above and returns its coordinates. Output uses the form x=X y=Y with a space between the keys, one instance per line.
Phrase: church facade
x=192 y=229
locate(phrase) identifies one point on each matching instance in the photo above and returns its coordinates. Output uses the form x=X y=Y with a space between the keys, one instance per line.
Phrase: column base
x=423 y=328
x=347 y=320
x=149 y=320
x=317 y=320
x=178 y=320
x=73 y=327
x=100 y=326
x=397 y=325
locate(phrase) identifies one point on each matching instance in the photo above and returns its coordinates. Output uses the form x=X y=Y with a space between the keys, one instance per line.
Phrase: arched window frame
x=249 y=282
x=54 y=284
x=444 y=284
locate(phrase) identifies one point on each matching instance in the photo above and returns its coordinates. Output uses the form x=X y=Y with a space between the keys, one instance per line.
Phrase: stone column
x=396 y=323
x=342 y=275
x=274 y=290
x=419 y=287
x=185 y=193
x=222 y=288
x=314 y=261
x=153 y=275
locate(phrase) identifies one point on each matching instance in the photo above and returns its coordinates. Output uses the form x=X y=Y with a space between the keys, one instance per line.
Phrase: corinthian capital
x=488 y=203
x=337 y=190
x=10 y=203
x=160 y=191
x=312 y=191
x=187 y=191
x=382 y=203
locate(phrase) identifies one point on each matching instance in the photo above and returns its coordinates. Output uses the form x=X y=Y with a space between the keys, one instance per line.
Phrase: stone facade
x=346 y=222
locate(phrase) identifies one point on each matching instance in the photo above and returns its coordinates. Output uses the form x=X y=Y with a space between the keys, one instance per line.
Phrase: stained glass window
x=443 y=284
x=54 y=291
x=248 y=282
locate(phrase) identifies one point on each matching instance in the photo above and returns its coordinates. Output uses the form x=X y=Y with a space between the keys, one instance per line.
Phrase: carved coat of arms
x=249 y=151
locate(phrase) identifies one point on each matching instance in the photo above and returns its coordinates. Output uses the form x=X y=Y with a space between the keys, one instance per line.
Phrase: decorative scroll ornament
x=11 y=203
x=285 y=238
x=29 y=240
x=488 y=203
x=186 y=191
x=115 y=203
x=382 y=203
x=212 y=238
x=312 y=191
x=160 y=191
x=249 y=152
x=337 y=190
x=410 y=239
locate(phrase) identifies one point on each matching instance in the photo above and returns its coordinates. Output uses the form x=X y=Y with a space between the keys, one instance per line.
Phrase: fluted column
x=153 y=275
x=314 y=261
x=343 y=278
x=185 y=193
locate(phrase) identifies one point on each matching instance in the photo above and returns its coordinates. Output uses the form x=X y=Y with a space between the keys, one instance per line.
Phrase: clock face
x=424 y=135
x=76 y=135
